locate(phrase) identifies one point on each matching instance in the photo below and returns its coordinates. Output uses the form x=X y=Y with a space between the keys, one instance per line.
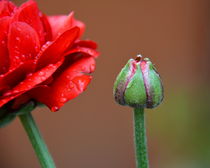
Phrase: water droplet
x=50 y=65
x=47 y=43
x=29 y=86
x=17 y=58
x=71 y=85
x=63 y=99
x=18 y=29
x=27 y=36
x=17 y=38
x=36 y=47
x=3 y=42
x=17 y=52
x=41 y=73
x=29 y=55
x=30 y=74
x=92 y=67
x=7 y=94
x=54 y=108
x=83 y=68
x=80 y=85
x=15 y=91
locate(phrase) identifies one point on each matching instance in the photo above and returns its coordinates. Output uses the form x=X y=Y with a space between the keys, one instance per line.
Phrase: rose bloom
x=42 y=57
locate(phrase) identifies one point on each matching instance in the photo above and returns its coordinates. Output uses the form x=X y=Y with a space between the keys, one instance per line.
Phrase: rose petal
x=23 y=43
x=86 y=43
x=22 y=99
x=4 y=57
x=6 y=8
x=29 y=13
x=72 y=82
x=47 y=28
x=31 y=81
x=15 y=75
x=52 y=52
x=62 y=23
x=83 y=50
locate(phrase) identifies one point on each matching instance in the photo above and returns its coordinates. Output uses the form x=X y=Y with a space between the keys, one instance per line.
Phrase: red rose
x=42 y=58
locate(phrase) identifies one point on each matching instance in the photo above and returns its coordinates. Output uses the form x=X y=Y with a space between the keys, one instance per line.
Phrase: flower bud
x=138 y=84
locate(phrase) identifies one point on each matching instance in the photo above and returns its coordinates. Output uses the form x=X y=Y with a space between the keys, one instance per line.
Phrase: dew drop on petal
x=29 y=55
x=30 y=74
x=54 y=108
x=92 y=67
x=63 y=99
x=83 y=68
x=71 y=85
x=41 y=73
x=50 y=65
x=7 y=94
x=80 y=85
x=17 y=38
x=18 y=29
x=3 y=42
x=15 y=91
x=27 y=36
x=36 y=47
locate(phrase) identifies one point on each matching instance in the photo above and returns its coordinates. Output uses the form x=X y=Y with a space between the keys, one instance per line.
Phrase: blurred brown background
x=92 y=131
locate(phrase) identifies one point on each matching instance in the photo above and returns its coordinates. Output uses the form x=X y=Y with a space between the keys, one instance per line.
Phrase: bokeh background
x=92 y=131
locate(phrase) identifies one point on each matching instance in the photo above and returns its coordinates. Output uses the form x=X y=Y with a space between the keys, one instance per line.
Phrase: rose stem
x=37 y=142
x=140 y=139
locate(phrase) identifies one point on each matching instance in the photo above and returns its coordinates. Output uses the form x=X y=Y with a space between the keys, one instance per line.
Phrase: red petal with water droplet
x=47 y=28
x=72 y=82
x=63 y=23
x=15 y=75
x=4 y=57
x=54 y=52
x=29 y=13
x=83 y=50
x=6 y=8
x=29 y=82
x=23 y=43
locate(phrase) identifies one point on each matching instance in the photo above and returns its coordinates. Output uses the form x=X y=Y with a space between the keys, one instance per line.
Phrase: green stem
x=37 y=142
x=140 y=139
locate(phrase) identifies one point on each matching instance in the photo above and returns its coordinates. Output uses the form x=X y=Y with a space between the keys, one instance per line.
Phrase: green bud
x=138 y=84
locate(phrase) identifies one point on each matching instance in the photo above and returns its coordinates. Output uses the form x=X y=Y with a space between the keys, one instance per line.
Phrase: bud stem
x=140 y=139
x=37 y=142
